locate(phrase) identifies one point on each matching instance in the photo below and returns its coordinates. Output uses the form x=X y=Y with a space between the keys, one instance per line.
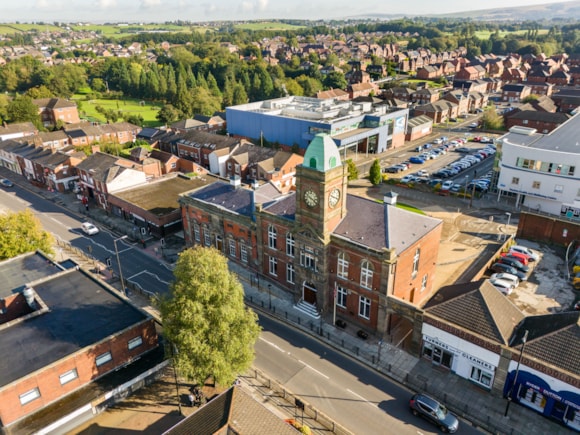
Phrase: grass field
x=485 y=34
x=6 y=29
x=267 y=25
x=127 y=106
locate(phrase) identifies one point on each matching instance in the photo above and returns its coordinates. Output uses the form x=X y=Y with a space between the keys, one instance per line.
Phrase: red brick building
x=52 y=110
x=372 y=266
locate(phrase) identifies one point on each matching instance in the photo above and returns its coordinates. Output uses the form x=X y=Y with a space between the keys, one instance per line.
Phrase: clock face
x=310 y=198
x=334 y=197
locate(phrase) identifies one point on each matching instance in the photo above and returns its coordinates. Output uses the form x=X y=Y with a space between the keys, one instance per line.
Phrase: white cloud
x=106 y=4
x=150 y=3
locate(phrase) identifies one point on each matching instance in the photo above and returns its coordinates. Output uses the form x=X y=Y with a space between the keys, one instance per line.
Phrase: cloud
x=150 y=3
x=254 y=6
x=106 y=4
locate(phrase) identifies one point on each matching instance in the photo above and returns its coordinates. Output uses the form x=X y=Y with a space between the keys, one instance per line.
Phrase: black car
x=514 y=262
x=431 y=410
x=502 y=267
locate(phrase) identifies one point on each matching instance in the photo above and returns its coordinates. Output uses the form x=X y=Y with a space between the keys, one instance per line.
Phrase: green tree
x=352 y=170
x=530 y=98
x=22 y=109
x=491 y=120
x=22 y=232
x=205 y=318
x=375 y=173
x=168 y=114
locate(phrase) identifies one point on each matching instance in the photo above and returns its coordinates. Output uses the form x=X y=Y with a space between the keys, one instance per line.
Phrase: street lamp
x=119 y=264
x=509 y=215
x=510 y=392
x=465 y=190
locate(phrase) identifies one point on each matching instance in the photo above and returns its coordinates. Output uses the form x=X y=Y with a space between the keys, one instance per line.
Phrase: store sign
x=439 y=344
x=552 y=395
x=478 y=361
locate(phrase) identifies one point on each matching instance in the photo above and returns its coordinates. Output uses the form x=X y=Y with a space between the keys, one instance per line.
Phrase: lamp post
x=173 y=353
x=465 y=190
x=509 y=215
x=119 y=264
x=510 y=392
x=270 y=296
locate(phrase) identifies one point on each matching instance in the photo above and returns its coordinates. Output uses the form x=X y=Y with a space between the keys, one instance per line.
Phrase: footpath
x=156 y=411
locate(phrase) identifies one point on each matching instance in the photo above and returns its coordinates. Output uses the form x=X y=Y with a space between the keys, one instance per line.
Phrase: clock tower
x=321 y=188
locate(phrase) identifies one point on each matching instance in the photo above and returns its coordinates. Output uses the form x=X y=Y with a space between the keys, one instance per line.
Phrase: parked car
x=506 y=268
x=422 y=173
x=417 y=160
x=522 y=258
x=514 y=262
x=6 y=183
x=435 y=181
x=407 y=179
x=525 y=250
x=419 y=148
x=473 y=125
x=89 y=229
x=463 y=150
x=503 y=286
x=394 y=169
x=430 y=409
x=513 y=279
x=456 y=187
x=447 y=185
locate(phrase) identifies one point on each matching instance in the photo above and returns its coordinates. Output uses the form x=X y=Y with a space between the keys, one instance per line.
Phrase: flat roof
x=81 y=312
x=563 y=139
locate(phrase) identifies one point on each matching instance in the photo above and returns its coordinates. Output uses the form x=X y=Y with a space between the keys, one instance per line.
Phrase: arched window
x=312 y=162
x=366 y=275
x=342 y=266
x=272 y=237
x=332 y=162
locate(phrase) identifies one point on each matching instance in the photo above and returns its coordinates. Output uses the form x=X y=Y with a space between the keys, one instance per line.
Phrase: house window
x=558 y=188
x=536 y=185
x=206 y=237
x=229 y=166
x=232 y=246
x=273 y=266
x=135 y=342
x=66 y=377
x=271 y=237
x=424 y=282
x=290 y=273
x=103 y=358
x=29 y=396
x=307 y=260
x=342 y=266
x=515 y=180
x=196 y=233
x=416 y=262
x=290 y=244
x=525 y=121
x=366 y=275
x=237 y=169
x=243 y=253
x=481 y=376
x=364 y=307
x=341 y=296
x=173 y=165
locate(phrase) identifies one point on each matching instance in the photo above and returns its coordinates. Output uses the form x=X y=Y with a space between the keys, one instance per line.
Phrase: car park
x=89 y=229
x=6 y=183
x=505 y=287
x=514 y=280
x=417 y=160
x=515 y=263
x=430 y=409
x=525 y=250
x=506 y=268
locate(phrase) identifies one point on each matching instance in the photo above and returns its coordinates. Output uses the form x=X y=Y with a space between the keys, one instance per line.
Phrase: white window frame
x=366 y=275
x=364 y=307
x=342 y=266
x=272 y=236
x=341 y=295
x=134 y=342
x=536 y=185
x=206 y=237
x=478 y=375
x=29 y=396
x=290 y=273
x=273 y=266
x=290 y=245
x=196 y=232
x=416 y=259
x=424 y=282
x=307 y=260
x=69 y=376
x=243 y=253
x=232 y=247
x=103 y=358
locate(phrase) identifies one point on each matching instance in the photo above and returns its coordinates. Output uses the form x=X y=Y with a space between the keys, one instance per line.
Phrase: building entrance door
x=309 y=293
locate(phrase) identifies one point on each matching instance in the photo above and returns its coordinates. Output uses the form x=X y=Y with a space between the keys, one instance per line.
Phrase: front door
x=309 y=293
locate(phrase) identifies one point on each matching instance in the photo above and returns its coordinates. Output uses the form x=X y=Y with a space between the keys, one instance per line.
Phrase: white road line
x=275 y=346
x=314 y=370
x=361 y=397
x=148 y=273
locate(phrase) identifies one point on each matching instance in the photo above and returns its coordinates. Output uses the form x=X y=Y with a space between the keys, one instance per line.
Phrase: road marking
x=275 y=346
x=360 y=397
x=147 y=273
x=313 y=369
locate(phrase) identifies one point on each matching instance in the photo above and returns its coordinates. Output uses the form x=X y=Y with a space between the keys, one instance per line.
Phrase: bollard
x=286 y=314
x=342 y=342
x=356 y=351
x=389 y=367
x=372 y=359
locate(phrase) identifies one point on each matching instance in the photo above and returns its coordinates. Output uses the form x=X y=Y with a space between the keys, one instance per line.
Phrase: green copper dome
x=322 y=153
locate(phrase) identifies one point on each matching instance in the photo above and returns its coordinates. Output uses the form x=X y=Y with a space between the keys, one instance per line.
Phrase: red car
x=522 y=258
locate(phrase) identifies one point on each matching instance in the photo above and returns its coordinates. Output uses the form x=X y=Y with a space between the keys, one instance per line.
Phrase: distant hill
x=564 y=12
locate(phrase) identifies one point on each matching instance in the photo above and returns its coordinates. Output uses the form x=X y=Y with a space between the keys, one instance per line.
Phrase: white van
x=503 y=286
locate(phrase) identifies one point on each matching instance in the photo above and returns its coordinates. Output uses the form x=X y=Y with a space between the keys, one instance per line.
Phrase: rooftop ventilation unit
x=523 y=130
x=28 y=294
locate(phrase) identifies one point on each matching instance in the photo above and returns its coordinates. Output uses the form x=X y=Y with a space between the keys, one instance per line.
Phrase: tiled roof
x=477 y=307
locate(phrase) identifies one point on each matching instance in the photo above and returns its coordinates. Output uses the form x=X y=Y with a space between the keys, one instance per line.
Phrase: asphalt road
x=353 y=395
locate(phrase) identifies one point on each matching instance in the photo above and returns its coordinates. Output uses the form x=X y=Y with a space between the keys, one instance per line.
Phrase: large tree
x=205 y=318
x=22 y=232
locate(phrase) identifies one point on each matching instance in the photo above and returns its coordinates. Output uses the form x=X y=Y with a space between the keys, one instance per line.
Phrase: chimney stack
x=390 y=198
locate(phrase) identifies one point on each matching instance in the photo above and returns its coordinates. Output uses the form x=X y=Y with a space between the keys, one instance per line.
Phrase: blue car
x=416 y=160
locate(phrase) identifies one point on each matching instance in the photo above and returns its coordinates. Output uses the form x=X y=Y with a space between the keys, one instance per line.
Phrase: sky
x=99 y=11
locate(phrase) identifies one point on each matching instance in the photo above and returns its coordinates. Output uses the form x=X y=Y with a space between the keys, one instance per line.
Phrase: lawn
x=7 y=29
x=117 y=31
x=267 y=25
x=485 y=34
x=132 y=106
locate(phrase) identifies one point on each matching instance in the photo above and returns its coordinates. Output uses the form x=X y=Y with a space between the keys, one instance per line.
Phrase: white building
x=542 y=170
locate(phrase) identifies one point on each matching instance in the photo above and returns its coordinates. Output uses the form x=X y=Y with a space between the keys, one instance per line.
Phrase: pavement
x=478 y=407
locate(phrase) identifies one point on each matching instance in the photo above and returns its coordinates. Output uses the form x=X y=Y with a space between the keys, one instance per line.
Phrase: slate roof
x=285 y=207
x=233 y=411
x=477 y=307
x=227 y=197
x=54 y=103
x=418 y=120
x=379 y=226
x=534 y=115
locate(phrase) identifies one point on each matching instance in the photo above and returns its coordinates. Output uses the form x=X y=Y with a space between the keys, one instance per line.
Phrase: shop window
x=532 y=398
x=481 y=377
